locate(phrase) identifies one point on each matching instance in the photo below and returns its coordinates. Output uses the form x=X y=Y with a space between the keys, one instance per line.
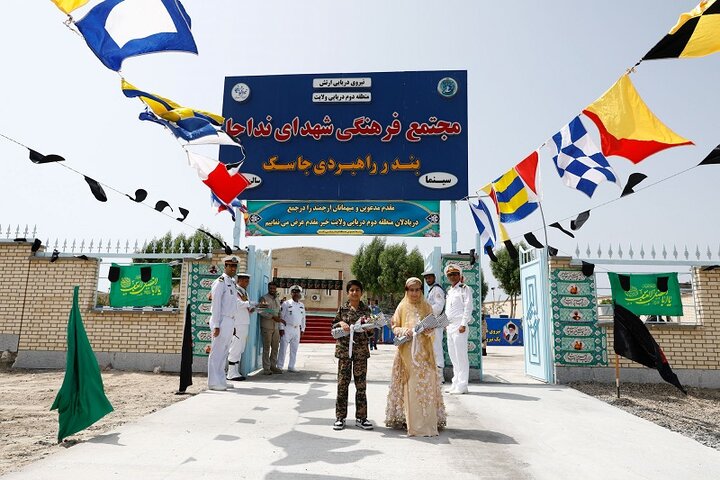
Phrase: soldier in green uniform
x=352 y=362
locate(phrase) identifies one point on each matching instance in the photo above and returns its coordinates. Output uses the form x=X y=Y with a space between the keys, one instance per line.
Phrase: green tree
x=180 y=243
x=366 y=266
x=392 y=263
x=397 y=265
x=507 y=272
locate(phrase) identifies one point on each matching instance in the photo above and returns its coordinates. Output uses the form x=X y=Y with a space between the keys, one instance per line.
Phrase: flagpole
x=542 y=215
x=617 y=374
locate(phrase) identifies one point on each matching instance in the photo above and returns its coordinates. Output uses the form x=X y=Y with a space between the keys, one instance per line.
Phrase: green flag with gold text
x=647 y=294
x=131 y=291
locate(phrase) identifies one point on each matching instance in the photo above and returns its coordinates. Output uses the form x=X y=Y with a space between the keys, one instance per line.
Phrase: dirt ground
x=28 y=429
x=696 y=415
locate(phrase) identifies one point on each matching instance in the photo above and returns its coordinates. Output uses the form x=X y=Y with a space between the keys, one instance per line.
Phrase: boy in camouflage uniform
x=352 y=363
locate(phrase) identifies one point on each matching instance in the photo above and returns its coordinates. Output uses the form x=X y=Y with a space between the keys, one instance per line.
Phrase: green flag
x=647 y=294
x=81 y=400
x=131 y=291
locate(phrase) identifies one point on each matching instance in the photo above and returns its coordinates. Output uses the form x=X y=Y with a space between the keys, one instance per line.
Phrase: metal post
x=480 y=280
x=237 y=229
x=453 y=227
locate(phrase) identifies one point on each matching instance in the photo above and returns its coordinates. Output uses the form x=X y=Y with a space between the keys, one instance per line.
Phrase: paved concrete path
x=279 y=428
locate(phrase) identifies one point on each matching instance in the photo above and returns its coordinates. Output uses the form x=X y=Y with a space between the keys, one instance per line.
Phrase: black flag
x=633 y=180
x=713 y=157
x=532 y=240
x=560 y=227
x=140 y=195
x=186 y=355
x=96 y=189
x=580 y=220
x=633 y=341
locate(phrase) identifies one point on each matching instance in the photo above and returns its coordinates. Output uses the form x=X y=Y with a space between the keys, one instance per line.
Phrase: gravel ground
x=28 y=429
x=696 y=415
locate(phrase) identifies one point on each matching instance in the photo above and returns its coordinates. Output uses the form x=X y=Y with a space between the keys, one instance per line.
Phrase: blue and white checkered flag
x=579 y=161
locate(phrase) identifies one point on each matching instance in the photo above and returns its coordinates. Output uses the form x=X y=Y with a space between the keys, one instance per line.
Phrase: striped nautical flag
x=166 y=108
x=484 y=222
x=191 y=125
x=578 y=161
x=696 y=34
x=117 y=29
x=515 y=193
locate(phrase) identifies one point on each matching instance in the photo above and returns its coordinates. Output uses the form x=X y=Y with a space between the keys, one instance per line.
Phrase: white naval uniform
x=242 y=326
x=436 y=299
x=458 y=308
x=294 y=315
x=223 y=310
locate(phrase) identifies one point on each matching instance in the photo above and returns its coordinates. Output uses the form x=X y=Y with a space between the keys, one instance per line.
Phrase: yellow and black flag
x=696 y=34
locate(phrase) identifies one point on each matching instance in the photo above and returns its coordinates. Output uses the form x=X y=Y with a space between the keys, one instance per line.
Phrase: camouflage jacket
x=361 y=339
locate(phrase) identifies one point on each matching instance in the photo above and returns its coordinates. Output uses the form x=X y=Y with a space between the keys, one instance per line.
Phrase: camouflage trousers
x=348 y=368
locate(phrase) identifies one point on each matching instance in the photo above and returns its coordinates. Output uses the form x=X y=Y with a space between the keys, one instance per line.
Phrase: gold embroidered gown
x=414 y=400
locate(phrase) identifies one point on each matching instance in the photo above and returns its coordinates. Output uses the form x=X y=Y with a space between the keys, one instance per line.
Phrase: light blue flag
x=117 y=29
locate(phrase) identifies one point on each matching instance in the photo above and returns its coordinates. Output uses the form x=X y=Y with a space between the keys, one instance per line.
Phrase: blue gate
x=537 y=321
x=258 y=265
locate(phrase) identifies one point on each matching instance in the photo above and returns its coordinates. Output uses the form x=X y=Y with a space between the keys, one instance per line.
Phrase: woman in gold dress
x=414 y=400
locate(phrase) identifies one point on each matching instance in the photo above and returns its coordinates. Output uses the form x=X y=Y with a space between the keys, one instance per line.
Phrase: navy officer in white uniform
x=223 y=310
x=293 y=313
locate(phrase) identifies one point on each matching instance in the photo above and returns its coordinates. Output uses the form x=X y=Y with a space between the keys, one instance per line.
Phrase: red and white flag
x=224 y=184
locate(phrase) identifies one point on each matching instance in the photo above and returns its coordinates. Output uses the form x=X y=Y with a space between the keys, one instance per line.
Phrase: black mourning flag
x=560 y=227
x=511 y=249
x=580 y=220
x=633 y=181
x=39 y=158
x=96 y=189
x=140 y=195
x=713 y=157
x=186 y=355
x=162 y=205
x=633 y=341
x=532 y=240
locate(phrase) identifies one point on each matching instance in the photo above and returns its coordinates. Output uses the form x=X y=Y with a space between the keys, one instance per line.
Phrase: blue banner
x=504 y=332
x=408 y=219
x=361 y=136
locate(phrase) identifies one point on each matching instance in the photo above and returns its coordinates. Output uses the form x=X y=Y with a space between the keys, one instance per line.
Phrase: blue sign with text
x=360 y=136
x=409 y=219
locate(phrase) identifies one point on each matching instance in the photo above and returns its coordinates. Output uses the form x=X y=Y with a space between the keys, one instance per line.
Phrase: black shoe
x=363 y=423
x=237 y=379
x=339 y=424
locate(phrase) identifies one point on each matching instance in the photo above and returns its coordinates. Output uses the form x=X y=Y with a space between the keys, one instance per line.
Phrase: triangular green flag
x=81 y=400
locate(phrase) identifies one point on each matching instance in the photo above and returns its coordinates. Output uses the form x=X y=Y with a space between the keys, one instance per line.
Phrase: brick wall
x=49 y=300
x=691 y=349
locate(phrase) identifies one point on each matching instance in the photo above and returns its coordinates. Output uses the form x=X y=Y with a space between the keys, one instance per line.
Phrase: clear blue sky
x=531 y=65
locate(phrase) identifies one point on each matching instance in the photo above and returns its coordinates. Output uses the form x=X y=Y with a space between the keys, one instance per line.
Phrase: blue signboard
x=360 y=136
x=409 y=219
x=504 y=332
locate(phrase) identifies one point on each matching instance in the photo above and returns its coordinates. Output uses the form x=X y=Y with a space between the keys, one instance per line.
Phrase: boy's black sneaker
x=363 y=423
x=339 y=424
